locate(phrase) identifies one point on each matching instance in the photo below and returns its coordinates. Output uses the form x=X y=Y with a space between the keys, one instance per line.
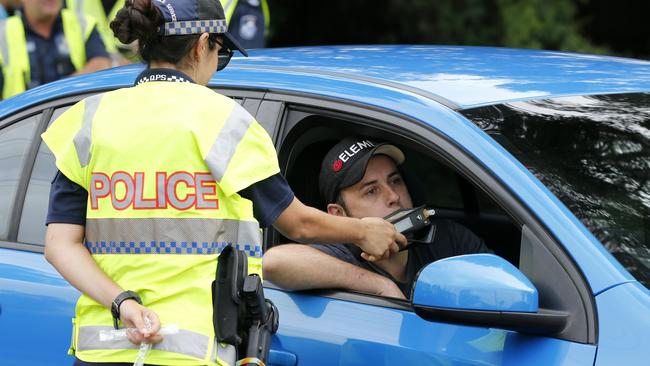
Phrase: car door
x=36 y=304
x=334 y=327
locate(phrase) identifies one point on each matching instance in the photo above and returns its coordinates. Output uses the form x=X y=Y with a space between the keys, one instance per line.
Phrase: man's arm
x=375 y=236
x=301 y=267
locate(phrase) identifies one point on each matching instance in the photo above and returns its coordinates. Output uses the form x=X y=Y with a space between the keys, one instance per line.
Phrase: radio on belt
x=410 y=219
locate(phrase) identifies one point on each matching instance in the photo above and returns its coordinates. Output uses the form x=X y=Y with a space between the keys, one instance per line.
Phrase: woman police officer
x=156 y=179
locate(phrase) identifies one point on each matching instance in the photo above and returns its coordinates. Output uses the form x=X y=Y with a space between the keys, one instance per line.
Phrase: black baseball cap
x=345 y=164
x=183 y=17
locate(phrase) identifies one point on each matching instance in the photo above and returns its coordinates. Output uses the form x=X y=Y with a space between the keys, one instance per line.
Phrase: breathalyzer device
x=408 y=220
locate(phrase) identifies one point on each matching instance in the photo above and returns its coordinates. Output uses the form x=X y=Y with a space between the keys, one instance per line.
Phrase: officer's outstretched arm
x=301 y=267
x=376 y=237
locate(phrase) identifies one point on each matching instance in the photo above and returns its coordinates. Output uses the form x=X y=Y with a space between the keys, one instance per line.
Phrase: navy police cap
x=184 y=17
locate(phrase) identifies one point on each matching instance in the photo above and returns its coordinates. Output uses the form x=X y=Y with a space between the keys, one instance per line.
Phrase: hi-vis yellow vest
x=95 y=9
x=14 y=58
x=162 y=163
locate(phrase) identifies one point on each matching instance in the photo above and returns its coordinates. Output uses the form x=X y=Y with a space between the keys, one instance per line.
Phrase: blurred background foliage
x=594 y=26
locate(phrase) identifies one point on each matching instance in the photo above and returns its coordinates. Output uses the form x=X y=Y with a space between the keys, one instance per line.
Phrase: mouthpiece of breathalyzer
x=407 y=220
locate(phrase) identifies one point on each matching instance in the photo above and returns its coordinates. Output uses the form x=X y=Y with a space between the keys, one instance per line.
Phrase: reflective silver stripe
x=184 y=342
x=83 y=24
x=226 y=352
x=224 y=146
x=226 y=7
x=4 y=43
x=83 y=137
x=78 y=8
x=171 y=236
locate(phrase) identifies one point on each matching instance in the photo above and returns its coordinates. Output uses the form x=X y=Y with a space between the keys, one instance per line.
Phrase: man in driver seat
x=360 y=178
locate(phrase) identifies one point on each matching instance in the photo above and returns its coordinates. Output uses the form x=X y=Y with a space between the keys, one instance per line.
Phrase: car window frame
x=27 y=165
x=447 y=152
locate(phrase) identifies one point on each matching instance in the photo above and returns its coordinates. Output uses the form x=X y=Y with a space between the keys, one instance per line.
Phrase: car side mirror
x=482 y=290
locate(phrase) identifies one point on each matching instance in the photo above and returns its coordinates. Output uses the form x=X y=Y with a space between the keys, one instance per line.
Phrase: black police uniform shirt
x=448 y=239
x=49 y=58
x=68 y=200
x=247 y=24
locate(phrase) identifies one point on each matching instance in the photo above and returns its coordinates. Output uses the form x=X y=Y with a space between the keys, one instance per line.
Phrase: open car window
x=430 y=181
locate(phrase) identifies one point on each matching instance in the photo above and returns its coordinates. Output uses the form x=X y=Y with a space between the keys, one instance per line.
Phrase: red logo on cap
x=338 y=164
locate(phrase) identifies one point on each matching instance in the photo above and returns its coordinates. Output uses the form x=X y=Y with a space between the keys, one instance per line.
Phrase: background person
x=8 y=7
x=45 y=43
x=156 y=179
x=104 y=12
x=367 y=184
x=248 y=21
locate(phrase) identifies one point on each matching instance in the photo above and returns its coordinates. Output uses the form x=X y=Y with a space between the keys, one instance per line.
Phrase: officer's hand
x=133 y=316
x=380 y=239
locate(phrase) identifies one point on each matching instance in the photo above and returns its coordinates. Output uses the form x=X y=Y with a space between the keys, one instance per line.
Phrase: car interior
x=430 y=182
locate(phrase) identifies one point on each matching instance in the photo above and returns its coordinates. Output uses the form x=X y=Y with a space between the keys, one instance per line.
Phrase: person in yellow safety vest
x=154 y=180
x=248 y=21
x=45 y=43
x=104 y=11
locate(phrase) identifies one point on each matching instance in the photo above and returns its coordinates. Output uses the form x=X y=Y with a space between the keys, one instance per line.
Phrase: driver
x=360 y=178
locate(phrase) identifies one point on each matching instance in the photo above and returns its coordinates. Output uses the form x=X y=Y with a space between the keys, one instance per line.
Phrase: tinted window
x=593 y=153
x=15 y=141
x=32 y=221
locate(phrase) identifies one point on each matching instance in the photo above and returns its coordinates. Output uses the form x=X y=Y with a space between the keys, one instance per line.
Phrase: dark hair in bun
x=139 y=20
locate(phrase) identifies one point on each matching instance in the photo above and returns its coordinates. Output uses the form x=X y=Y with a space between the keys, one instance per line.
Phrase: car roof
x=468 y=76
x=455 y=76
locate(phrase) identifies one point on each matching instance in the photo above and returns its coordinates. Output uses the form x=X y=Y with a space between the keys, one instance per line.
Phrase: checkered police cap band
x=218 y=26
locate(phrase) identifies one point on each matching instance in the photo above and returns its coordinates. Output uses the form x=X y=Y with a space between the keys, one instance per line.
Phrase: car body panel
x=471 y=76
x=624 y=338
x=34 y=301
x=371 y=335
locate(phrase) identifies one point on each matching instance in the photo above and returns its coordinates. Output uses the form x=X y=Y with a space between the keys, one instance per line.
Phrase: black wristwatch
x=115 y=306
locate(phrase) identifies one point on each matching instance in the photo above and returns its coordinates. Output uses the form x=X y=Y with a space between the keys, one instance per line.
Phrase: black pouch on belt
x=232 y=268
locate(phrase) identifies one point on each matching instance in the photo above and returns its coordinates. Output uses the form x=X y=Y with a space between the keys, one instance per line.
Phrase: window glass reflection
x=593 y=153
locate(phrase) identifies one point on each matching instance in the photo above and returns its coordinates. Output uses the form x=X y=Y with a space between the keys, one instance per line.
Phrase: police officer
x=248 y=21
x=44 y=44
x=156 y=179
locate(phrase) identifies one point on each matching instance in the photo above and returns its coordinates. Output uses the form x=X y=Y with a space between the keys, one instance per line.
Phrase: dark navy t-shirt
x=68 y=200
x=49 y=58
x=447 y=239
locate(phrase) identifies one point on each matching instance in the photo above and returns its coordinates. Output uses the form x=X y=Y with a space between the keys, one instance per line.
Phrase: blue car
x=544 y=155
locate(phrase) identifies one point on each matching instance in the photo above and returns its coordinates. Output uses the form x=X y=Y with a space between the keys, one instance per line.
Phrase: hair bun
x=137 y=20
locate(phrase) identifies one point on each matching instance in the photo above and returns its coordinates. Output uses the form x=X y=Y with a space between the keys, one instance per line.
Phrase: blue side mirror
x=475 y=282
x=482 y=290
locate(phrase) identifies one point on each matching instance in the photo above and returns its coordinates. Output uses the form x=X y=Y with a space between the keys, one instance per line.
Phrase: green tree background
x=593 y=26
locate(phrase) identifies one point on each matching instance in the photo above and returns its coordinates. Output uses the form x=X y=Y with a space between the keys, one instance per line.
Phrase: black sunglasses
x=225 y=54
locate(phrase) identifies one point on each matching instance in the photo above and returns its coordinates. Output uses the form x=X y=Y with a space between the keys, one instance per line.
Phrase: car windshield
x=593 y=153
